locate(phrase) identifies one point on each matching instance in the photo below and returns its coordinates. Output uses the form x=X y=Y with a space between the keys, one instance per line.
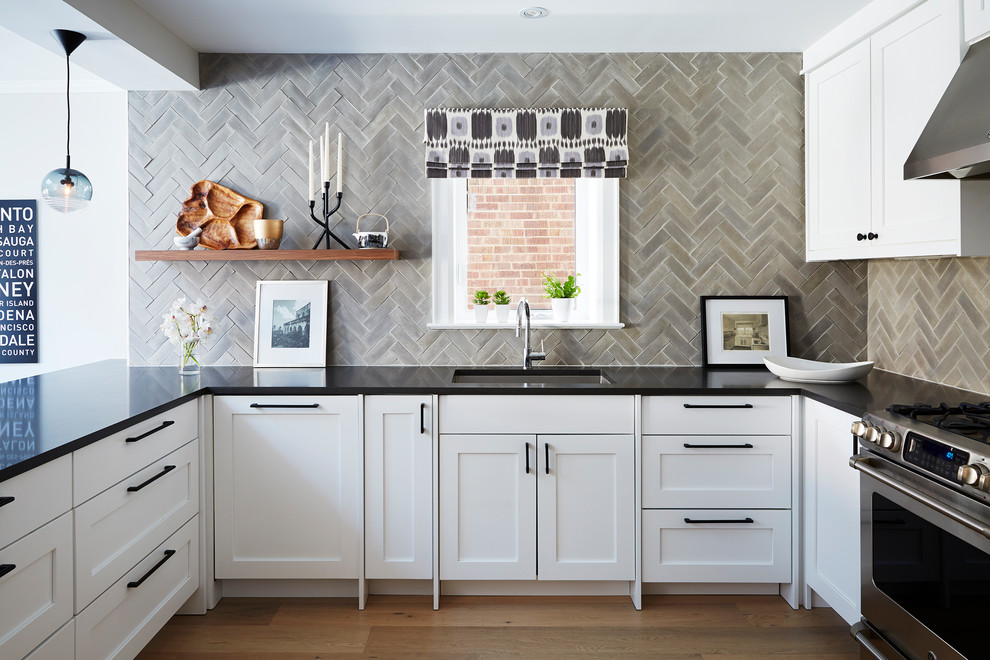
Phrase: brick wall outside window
x=516 y=230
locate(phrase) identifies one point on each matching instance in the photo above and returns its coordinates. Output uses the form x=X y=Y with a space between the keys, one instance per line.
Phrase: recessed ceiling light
x=534 y=12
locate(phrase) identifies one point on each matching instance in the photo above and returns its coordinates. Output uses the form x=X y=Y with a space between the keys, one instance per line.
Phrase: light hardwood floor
x=668 y=627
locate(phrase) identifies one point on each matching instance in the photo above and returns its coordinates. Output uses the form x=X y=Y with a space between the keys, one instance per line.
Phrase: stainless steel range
x=925 y=512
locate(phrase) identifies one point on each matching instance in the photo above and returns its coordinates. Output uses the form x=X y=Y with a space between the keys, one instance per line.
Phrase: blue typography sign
x=18 y=281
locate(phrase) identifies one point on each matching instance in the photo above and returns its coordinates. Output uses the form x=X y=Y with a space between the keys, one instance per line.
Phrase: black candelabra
x=327 y=212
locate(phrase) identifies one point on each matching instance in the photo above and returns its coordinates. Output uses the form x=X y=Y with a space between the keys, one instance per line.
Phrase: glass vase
x=189 y=358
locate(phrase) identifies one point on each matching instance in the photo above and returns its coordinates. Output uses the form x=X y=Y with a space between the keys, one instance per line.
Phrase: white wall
x=81 y=257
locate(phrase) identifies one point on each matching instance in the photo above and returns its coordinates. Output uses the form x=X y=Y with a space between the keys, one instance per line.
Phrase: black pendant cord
x=68 y=119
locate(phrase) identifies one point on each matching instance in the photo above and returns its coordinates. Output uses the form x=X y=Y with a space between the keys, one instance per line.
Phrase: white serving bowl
x=812 y=371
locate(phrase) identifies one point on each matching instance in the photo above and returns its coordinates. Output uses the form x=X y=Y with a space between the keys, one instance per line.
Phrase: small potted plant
x=562 y=295
x=502 y=301
x=481 y=300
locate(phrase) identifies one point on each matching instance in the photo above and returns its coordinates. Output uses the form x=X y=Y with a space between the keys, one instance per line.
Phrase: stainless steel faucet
x=528 y=353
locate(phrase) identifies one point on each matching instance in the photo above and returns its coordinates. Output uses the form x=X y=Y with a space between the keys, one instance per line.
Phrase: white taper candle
x=309 y=174
x=340 y=162
x=323 y=161
x=326 y=137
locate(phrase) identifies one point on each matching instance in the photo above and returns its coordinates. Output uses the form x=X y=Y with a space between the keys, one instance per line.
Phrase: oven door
x=925 y=563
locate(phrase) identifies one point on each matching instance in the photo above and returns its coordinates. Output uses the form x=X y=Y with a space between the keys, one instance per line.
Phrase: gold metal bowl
x=269 y=233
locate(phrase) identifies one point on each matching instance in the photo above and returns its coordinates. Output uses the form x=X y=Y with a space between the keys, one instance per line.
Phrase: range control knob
x=859 y=428
x=872 y=435
x=971 y=474
x=890 y=440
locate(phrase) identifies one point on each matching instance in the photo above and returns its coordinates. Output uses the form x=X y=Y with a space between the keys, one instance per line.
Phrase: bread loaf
x=226 y=217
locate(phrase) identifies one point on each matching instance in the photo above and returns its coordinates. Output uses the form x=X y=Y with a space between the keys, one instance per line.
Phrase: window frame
x=596 y=247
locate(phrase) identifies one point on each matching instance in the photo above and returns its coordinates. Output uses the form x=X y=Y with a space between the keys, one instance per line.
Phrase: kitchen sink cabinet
x=287 y=486
x=398 y=468
x=547 y=507
x=866 y=108
x=831 y=533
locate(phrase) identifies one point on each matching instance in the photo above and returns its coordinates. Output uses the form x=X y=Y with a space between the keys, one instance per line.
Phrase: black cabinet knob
x=872 y=236
x=860 y=237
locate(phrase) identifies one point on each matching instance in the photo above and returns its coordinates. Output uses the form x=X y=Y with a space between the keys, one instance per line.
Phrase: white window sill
x=511 y=325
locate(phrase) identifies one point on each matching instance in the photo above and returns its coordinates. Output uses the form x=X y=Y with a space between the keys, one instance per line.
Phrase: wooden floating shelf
x=266 y=255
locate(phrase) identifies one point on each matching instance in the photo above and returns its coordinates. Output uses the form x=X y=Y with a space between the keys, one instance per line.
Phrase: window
x=505 y=233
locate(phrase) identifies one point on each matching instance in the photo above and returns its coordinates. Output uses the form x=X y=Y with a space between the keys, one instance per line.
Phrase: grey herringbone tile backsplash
x=714 y=202
x=930 y=319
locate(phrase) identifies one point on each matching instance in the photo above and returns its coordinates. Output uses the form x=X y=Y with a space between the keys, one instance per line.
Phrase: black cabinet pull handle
x=138 y=583
x=527 y=458
x=6 y=568
x=860 y=237
x=134 y=489
x=422 y=418
x=546 y=447
x=688 y=445
x=694 y=406
x=164 y=425
x=717 y=522
x=872 y=236
x=4 y=501
x=285 y=405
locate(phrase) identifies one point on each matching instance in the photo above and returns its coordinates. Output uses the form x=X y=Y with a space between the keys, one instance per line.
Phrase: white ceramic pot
x=502 y=313
x=562 y=308
x=480 y=313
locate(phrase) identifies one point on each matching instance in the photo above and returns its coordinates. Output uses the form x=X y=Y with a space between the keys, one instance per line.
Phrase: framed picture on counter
x=290 y=323
x=739 y=331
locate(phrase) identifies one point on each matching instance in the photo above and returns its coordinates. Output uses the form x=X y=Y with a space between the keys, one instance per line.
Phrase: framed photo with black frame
x=290 y=323
x=739 y=331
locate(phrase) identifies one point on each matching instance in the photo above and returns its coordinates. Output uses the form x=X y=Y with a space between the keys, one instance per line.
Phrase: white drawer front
x=717 y=415
x=107 y=461
x=40 y=495
x=36 y=596
x=678 y=551
x=60 y=646
x=536 y=414
x=123 y=620
x=118 y=527
x=683 y=472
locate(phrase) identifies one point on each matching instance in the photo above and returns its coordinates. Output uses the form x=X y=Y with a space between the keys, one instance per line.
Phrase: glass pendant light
x=64 y=189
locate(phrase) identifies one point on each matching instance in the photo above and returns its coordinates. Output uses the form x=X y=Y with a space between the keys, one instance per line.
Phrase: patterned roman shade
x=526 y=143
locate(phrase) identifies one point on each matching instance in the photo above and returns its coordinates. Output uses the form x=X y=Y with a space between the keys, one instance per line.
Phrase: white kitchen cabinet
x=831 y=535
x=487 y=507
x=287 y=486
x=548 y=507
x=976 y=19
x=717 y=472
x=586 y=522
x=717 y=545
x=35 y=587
x=398 y=465
x=837 y=136
x=881 y=92
x=34 y=498
x=125 y=617
x=718 y=490
x=121 y=525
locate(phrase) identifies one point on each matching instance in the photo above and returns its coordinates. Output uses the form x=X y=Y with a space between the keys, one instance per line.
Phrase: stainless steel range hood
x=956 y=141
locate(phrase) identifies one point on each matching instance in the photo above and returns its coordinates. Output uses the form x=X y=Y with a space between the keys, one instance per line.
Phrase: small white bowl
x=811 y=371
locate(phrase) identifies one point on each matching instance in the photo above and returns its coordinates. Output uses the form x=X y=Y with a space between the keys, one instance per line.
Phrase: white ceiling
x=470 y=26
x=154 y=44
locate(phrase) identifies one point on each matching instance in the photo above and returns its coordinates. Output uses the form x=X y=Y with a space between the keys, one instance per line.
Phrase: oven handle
x=860 y=632
x=862 y=463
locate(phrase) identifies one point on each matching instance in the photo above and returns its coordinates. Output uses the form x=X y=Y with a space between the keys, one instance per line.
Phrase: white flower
x=188 y=324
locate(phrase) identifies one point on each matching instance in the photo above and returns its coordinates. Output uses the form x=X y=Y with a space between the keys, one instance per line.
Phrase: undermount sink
x=554 y=376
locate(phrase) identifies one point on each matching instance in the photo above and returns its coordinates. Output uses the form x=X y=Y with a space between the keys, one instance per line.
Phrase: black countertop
x=47 y=416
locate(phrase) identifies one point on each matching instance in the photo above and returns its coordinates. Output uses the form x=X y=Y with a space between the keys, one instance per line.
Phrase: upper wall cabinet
x=866 y=107
x=976 y=19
